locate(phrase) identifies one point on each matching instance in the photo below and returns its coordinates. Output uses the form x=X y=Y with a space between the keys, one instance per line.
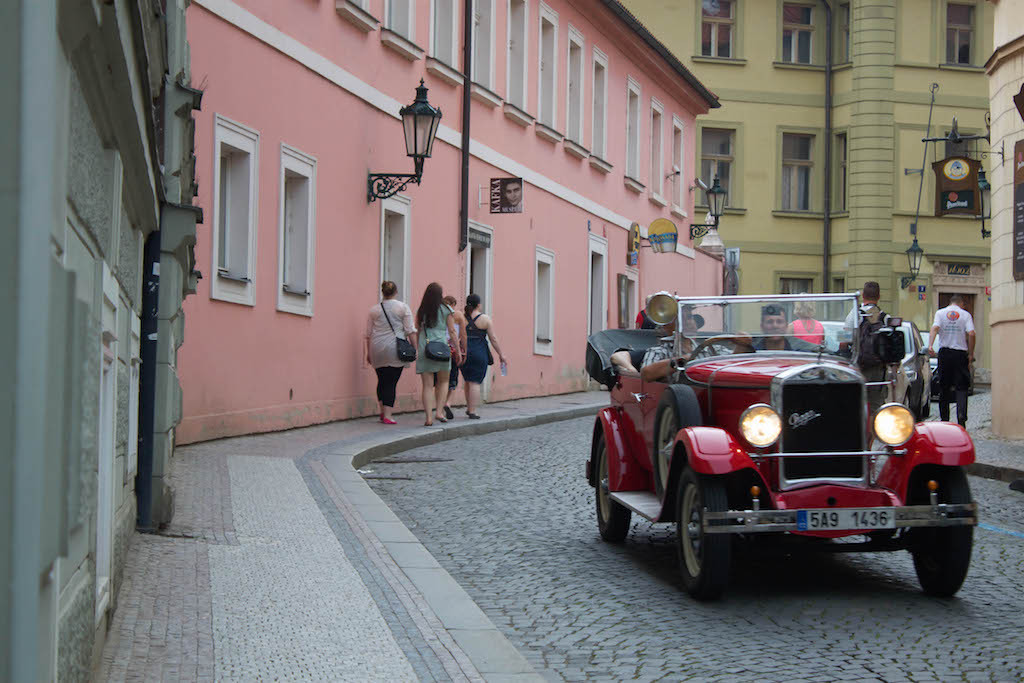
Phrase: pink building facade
x=301 y=102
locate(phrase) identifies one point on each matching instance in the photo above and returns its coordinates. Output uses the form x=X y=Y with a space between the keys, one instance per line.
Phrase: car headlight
x=894 y=424
x=760 y=425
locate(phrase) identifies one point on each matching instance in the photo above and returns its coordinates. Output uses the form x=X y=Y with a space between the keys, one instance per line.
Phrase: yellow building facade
x=805 y=222
x=1006 y=78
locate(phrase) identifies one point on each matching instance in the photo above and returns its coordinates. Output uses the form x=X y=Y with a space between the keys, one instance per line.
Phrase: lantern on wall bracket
x=419 y=123
x=915 y=254
x=716 y=204
x=983 y=188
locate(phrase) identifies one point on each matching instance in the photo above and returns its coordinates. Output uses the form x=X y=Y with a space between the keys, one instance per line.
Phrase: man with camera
x=954 y=329
x=866 y=322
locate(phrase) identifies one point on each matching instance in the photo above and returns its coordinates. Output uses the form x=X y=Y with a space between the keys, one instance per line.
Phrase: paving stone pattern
x=287 y=604
x=511 y=517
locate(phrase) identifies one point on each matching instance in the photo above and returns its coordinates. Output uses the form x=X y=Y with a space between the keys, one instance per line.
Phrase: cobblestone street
x=511 y=517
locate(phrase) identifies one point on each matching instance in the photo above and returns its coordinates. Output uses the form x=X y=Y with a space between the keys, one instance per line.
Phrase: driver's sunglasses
x=772 y=309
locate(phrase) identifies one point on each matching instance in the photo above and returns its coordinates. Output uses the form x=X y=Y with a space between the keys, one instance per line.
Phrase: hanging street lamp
x=915 y=254
x=419 y=123
x=716 y=204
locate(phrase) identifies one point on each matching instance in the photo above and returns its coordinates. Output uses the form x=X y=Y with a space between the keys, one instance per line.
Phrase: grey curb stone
x=494 y=656
x=997 y=472
x=363 y=452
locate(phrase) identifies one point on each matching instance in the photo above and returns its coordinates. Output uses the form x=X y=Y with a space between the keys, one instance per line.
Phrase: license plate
x=845 y=519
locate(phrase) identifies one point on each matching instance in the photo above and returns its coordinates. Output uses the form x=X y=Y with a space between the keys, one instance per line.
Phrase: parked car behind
x=914 y=373
x=912 y=386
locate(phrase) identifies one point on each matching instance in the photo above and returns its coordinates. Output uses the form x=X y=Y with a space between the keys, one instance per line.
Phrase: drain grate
x=381 y=476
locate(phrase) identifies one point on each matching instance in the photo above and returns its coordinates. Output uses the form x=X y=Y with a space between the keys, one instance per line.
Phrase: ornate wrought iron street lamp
x=915 y=254
x=716 y=204
x=983 y=188
x=419 y=122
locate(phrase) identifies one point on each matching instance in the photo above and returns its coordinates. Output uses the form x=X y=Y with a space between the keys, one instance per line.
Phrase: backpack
x=871 y=321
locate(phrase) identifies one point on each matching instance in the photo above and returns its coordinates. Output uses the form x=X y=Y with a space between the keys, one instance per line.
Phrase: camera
x=889 y=342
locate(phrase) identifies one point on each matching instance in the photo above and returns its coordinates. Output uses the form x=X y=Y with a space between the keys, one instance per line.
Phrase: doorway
x=479 y=278
x=968 y=306
x=597 y=286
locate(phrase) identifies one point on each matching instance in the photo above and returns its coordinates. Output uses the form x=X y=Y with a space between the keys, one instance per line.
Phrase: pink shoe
x=387 y=420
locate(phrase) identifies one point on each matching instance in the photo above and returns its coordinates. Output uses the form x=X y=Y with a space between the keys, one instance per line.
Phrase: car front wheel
x=612 y=518
x=942 y=555
x=704 y=559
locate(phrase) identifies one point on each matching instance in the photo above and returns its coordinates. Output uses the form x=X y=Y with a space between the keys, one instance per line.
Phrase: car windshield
x=808 y=323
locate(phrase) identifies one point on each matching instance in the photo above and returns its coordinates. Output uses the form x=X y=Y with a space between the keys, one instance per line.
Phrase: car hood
x=747 y=370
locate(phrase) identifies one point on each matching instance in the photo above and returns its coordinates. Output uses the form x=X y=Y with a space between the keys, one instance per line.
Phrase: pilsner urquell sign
x=956 y=186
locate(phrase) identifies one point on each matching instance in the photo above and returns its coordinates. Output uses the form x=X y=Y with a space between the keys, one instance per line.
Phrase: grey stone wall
x=90 y=170
x=76 y=633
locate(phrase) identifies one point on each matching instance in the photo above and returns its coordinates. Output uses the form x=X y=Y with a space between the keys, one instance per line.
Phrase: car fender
x=933 y=443
x=624 y=472
x=711 y=450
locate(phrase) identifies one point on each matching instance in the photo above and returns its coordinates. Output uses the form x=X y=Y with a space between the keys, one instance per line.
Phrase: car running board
x=643 y=503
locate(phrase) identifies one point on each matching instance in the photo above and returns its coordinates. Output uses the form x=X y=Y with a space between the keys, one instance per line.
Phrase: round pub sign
x=956 y=169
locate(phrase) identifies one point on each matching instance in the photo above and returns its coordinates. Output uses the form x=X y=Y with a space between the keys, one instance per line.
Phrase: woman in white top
x=381 y=331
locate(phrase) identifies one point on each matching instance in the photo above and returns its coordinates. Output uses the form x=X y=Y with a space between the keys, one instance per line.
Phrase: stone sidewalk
x=281 y=562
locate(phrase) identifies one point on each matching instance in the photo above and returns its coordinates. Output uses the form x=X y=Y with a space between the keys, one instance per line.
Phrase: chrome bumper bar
x=758 y=521
x=831 y=454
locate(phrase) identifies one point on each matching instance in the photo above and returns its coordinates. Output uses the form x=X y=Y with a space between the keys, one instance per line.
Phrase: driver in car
x=773 y=329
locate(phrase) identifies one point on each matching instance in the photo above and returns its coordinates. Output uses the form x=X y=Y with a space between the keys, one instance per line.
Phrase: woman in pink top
x=804 y=326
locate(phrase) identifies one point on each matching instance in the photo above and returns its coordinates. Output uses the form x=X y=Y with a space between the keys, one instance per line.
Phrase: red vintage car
x=747 y=420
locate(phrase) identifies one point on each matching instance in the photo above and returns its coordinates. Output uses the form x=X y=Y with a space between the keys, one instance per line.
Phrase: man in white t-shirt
x=953 y=328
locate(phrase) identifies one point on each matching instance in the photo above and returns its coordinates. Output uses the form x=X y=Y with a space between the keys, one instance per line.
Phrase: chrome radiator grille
x=822 y=417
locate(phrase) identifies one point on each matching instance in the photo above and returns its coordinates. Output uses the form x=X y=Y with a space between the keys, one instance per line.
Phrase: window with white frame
x=626 y=296
x=632 y=129
x=797 y=165
x=717 y=19
x=297 y=231
x=599 y=128
x=797 y=32
x=547 y=83
x=235 y=179
x=443 y=31
x=574 y=96
x=394 y=243
x=657 y=182
x=544 y=301
x=716 y=158
x=678 y=163
x=959 y=30
x=483 y=43
x=518 y=41
x=401 y=18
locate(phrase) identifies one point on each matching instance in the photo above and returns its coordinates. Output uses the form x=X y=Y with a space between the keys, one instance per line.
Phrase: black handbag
x=436 y=350
x=406 y=351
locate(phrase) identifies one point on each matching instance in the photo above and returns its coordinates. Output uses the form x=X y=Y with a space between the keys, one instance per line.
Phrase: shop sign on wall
x=633 y=245
x=506 y=195
x=956 y=184
x=1018 y=210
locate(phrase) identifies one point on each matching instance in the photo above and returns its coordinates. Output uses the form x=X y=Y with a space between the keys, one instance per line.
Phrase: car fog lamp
x=760 y=425
x=894 y=424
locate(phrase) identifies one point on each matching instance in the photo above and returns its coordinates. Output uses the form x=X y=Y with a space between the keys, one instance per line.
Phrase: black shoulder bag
x=406 y=351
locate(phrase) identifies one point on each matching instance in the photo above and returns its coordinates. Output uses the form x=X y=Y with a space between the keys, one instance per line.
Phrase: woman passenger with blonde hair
x=388 y=320
x=804 y=326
